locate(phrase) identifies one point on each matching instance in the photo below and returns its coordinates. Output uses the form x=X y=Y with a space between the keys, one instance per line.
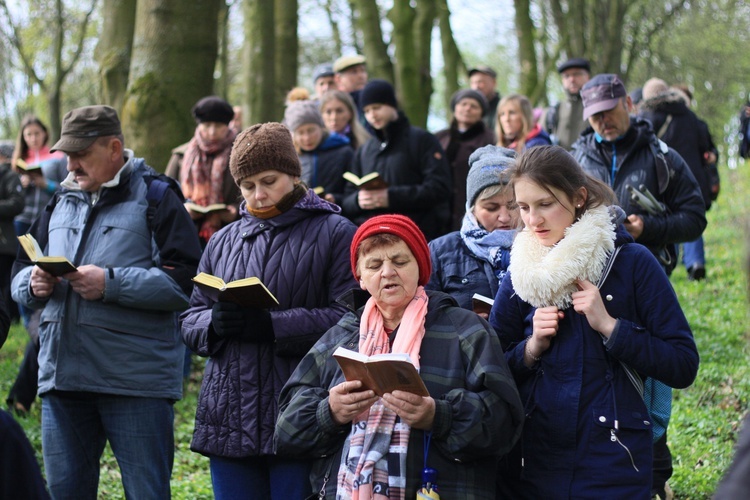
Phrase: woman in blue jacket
x=475 y=259
x=298 y=245
x=584 y=315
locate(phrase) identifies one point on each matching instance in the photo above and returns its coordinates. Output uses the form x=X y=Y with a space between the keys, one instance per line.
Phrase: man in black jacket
x=625 y=153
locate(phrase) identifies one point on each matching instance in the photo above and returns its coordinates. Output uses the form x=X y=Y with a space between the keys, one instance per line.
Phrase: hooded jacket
x=477 y=410
x=302 y=257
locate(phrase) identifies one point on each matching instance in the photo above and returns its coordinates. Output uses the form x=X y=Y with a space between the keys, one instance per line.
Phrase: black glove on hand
x=233 y=320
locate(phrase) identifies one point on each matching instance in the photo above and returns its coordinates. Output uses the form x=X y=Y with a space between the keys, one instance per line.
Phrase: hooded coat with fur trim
x=587 y=432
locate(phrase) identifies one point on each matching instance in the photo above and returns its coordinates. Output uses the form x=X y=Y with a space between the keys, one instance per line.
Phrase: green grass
x=705 y=417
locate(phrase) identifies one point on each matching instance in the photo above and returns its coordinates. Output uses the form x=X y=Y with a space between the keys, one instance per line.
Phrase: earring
x=578 y=206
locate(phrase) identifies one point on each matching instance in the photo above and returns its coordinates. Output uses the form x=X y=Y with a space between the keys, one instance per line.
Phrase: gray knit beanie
x=264 y=146
x=472 y=94
x=298 y=113
x=486 y=167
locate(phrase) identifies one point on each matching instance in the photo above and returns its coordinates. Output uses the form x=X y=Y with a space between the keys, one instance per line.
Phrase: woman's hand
x=371 y=199
x=545 y=324
x=417 y=411
x=347 y=400
x=588 y=301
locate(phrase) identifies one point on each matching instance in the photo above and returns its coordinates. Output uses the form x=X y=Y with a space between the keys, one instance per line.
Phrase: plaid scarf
x=374 y=467
x=202 y=175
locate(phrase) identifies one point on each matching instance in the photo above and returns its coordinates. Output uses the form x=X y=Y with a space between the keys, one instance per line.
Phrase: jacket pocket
x=157 y=325
x=628 y=434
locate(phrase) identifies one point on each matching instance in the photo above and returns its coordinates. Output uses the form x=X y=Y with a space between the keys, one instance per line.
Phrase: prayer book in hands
x=481 y=304
x=381 y=373
x=216 y=207
x=370 y=181
x=36 y=167
x=247 y=292
x=56 y=266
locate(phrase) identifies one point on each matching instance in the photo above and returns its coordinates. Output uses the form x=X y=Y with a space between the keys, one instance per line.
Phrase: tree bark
x=172 y=66
x=525 y=31
x=221 y=85
x=259 y=62
x=453 y=63
x=379 y=64
x=114 y=49
x=287 y=49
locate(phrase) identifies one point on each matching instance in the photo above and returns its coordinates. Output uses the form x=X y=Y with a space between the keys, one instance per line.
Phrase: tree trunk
x=453 y=63
x=375 y=50
x=424 y=24
x=259 y=61
x=402 y=16
x=335 y=30
x=287 y=49
x=221 y=85
x=172 y=66
x=114 y=49
x=529 y=77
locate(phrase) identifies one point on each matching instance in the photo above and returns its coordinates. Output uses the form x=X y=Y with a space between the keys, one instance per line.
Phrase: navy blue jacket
x=579 y=389
x=325 y=166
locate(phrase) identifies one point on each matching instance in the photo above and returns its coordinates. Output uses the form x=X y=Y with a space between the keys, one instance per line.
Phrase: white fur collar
x=545 y=276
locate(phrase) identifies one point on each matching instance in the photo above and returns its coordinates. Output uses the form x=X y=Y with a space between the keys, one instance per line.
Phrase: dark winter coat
x=684 y=133
x=458 y=147
x=325 y=166
x=578 y=390
x=459 y=273
x=477 y=409
x=11 y=204
x=639 y=158
x=302 y=256
x=413 y=164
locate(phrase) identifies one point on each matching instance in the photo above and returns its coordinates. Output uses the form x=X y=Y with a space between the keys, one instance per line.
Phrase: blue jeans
x=260 y=477
x=693 y=253
x=76 y=427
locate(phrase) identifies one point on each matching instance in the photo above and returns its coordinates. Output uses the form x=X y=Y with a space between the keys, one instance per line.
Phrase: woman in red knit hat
x=366 y=444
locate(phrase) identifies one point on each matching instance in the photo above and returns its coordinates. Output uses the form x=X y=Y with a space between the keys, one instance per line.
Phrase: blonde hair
x=527 y=118
x=359 y=134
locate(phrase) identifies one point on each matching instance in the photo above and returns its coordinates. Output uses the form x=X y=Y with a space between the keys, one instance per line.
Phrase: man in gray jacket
x=110 y=361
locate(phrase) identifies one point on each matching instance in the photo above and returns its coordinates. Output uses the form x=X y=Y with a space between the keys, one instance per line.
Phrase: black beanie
x=377 y=92
x=213 y=109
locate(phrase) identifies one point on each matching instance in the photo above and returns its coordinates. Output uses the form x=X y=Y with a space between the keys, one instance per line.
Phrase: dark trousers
x=662 y=467
x=24 y=388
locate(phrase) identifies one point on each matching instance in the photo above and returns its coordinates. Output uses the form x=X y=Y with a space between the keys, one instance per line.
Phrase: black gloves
x=230 y=320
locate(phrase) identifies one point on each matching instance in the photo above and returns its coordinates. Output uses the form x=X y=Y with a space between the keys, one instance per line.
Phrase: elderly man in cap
x=351 y=77
x=624 y=152
x=564 y=121
x=110 y=363
x=324 y=79
x=483 y=79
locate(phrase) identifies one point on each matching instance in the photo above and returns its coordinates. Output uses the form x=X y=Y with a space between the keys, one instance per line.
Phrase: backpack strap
x=664 y=127
x=663 y=168
x=158 y=185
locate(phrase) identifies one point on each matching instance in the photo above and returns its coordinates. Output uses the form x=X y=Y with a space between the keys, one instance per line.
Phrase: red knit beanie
x=404 y=228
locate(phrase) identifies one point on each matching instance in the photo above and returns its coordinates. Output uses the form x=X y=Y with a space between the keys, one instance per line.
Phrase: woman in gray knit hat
x=297 y=244
x=474 y=259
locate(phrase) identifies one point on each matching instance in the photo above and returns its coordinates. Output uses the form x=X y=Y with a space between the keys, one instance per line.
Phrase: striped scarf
x=373 y=465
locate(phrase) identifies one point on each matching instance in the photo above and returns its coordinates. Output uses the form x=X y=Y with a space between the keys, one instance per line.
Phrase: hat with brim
x=485 y=70
x=345 y=62
x=601 y=93
x=82 y=126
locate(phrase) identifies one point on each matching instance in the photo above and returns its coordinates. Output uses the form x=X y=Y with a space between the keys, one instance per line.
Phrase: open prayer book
x=369 y=182
x=28 y=167
x=247 y=292
x=56 y=266
x=381 y=373
x=216 y=207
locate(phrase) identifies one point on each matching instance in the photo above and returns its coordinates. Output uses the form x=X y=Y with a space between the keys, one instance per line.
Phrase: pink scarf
x=369 y=445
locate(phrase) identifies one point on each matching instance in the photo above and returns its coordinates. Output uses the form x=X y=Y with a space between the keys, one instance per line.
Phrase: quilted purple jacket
x=302 y=256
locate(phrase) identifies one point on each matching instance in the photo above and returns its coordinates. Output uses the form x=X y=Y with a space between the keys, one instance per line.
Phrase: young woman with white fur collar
x=581 y=310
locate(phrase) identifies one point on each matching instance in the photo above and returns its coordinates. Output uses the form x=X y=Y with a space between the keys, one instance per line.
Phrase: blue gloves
x=230 y=320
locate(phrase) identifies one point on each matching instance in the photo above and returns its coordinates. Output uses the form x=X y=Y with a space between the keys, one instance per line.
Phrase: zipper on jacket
x=616 y=423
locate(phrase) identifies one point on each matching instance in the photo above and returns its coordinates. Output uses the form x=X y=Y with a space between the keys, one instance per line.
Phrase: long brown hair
x=553 y=167
x=359 y=134
x=22 y=149
x=527 y=117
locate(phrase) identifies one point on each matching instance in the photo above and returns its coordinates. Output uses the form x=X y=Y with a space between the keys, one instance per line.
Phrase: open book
x=247 y=292
x=381 y=372
x=320 y=190
x=204 y=210
x=26 y=167
x=370 y=181
x=57 y=266
x=481 y=304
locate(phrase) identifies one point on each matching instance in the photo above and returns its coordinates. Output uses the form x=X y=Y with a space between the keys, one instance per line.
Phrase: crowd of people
x=567 y=221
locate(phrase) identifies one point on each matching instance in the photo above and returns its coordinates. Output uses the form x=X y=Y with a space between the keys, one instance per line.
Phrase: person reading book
x=470 y=418
x=296 y=244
